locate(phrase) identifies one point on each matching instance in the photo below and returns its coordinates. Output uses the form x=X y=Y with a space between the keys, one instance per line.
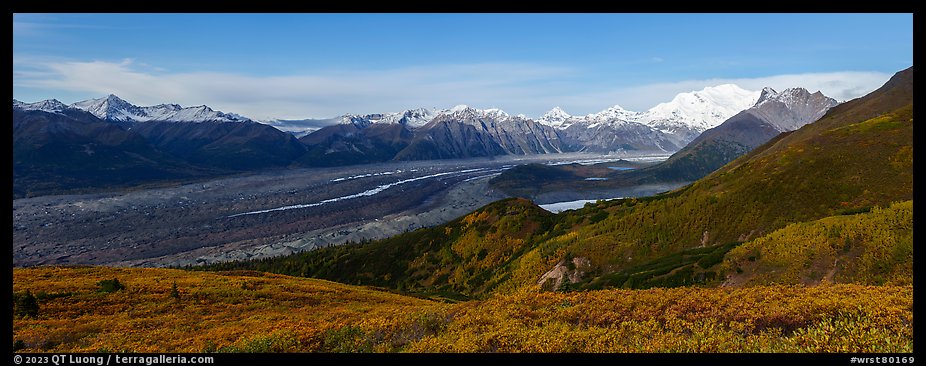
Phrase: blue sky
x=322 y=65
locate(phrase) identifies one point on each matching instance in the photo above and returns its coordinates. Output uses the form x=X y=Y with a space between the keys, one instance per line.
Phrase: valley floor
x=262 y=215
x=259 y=312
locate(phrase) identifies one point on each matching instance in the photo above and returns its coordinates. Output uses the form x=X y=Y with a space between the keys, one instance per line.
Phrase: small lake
x=558 y=207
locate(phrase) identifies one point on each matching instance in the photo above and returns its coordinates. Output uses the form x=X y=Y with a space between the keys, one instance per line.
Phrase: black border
x=479 y=6
x=469 y=6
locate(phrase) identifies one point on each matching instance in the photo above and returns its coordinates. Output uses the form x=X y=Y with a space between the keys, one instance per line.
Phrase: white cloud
x=32 y=24
x=518 y=88
x=299 y=96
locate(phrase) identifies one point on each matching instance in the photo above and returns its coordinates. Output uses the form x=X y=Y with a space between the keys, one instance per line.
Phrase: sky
x=293 y=66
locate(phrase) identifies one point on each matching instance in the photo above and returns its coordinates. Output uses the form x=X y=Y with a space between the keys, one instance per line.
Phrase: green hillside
x=467 y=256
x=873 y=248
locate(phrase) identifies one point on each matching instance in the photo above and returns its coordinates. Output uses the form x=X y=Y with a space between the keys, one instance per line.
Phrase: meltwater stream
x=368 y=192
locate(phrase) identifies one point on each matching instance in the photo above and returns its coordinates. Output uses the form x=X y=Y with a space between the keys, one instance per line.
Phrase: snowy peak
x=412 y=118
x=359 y=120
x=459 y=108
x=466 y=113
x=703 y=109
x=766 y=94
x=462 y=112
x=110 y=108
x=113 y=108
x=556 y=117
x=418 y=117
x=687 y=113
x=496 y=114
x=48 y=105
x=615 y=114
x=175 y=113
x=793 y=96
x=170 y=107
x=791 y=108
x=555 y=114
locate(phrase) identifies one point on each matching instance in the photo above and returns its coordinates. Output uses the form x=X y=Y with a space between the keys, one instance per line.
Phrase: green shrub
x=26 y=305
x=346 y=339
x=108 y=286
x=174 y=292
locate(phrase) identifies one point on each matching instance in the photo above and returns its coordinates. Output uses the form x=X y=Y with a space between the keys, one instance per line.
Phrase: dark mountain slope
x=712 y=149
x=226 y=145
x=449 y=139
x=347 y=144
x=72 y=151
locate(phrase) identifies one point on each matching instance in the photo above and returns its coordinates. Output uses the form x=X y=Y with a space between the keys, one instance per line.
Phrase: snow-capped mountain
x=464 y=131
x=701 y=109
x=559 y=119
x=556 y=118
x=613 y=115
x=48 y=105
x=418 y=117
x=697 y=110
x=672 y=124
x=458 y=132
x=611 y=130
x=792 y=108
x=473 y=116
x=412 y=118
x=113 y=108
x=772 y=114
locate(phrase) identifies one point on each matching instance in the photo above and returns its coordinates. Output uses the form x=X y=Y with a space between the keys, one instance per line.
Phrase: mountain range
x=666 y=127
x=463 y=131
x=772 y=114
x=113 y=108
x=108 y=142
x=213 y=141
x=71 y=148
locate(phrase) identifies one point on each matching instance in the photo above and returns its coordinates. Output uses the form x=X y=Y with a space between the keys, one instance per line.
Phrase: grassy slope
x=253 y=312
x=465 y=257
x=236 y=311
x=867 y=248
